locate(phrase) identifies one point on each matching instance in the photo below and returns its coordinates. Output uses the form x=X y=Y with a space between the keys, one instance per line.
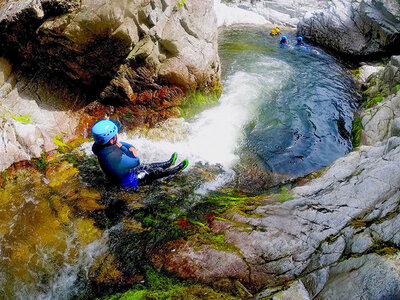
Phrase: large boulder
x=121 y=47
x=354 y=27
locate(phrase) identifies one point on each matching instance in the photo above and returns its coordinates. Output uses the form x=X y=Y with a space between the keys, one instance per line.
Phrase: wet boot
x=165 y=164
x=152 y=174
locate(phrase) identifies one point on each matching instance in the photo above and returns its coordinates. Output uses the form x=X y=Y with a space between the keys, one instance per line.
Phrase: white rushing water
x=62 y=284
x=227 y=16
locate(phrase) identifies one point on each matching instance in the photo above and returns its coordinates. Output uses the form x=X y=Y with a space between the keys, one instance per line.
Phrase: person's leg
x=150 y=174
x=165 y=164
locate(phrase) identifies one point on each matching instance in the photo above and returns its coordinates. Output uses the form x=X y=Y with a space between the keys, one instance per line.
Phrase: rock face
x=325 y=237
x=380 y=121
x=137 y=45
x=31 y=114
x=353 y=27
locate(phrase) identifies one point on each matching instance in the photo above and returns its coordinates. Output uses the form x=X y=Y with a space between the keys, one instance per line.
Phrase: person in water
x=275 y=31
x=284 y=41
x=120 y=162
x=300 y=41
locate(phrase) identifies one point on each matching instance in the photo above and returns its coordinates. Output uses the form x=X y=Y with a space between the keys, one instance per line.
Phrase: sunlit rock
x=361 y=28
x=159 y=43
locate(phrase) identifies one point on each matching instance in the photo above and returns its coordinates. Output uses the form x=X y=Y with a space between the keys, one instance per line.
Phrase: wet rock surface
x=121 y=48
x=360 y=28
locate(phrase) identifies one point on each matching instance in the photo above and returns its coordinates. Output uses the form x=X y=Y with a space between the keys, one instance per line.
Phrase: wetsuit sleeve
x=125 y=148
x=129 y=161
x=127 y=145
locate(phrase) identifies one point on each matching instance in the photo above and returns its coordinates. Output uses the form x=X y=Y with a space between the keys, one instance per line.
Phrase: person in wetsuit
x=300 y=41
x=284 y=41
x=120 y=162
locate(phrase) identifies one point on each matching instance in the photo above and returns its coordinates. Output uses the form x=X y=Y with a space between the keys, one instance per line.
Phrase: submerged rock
x=44 y=235
x=352 y=27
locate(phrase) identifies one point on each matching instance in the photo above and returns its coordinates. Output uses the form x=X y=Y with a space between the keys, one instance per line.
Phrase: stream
x=284 y=111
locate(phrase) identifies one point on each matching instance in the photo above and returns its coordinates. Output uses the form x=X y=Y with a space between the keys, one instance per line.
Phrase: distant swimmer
x=275 y=31
x=284 y=42
x=300 y=41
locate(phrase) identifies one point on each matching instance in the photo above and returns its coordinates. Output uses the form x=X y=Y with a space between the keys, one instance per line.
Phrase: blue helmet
x=103 y=131
x=283 y=37
x=299 y=39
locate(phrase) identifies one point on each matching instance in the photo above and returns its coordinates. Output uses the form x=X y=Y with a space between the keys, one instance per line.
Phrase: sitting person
x=300 y=41
x=120 y=162
x=284 y=41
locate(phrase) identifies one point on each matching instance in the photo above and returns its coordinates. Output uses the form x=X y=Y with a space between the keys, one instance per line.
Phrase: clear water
x=304 y=106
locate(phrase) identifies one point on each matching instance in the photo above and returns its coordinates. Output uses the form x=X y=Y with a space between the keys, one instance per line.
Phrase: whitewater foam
x=227 y=15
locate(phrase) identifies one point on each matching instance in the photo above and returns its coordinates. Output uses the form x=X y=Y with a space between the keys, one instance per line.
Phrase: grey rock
x=396 y=126
x=283 y=12
x=121 y=48
x=361 y=243
x=354 y=27
x=395 y=61
x=315 y=281
x=295 y=291
x=368 y=277
x=309 y=234
x=367 y=70
x=22 y=97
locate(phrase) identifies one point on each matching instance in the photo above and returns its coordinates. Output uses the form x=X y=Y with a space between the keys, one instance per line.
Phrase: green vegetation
x=4 y=175
x=41 y=163
x=356 y=131
x=129 y=115
x=21 y=118
x=181 y=3
x=356 y=72
x=383 y=247
x=284 y=195
x=373 y=101
x=163 y=287
x=199 y=100
x=397 y=87
x=359 y=223
x=60 y=143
